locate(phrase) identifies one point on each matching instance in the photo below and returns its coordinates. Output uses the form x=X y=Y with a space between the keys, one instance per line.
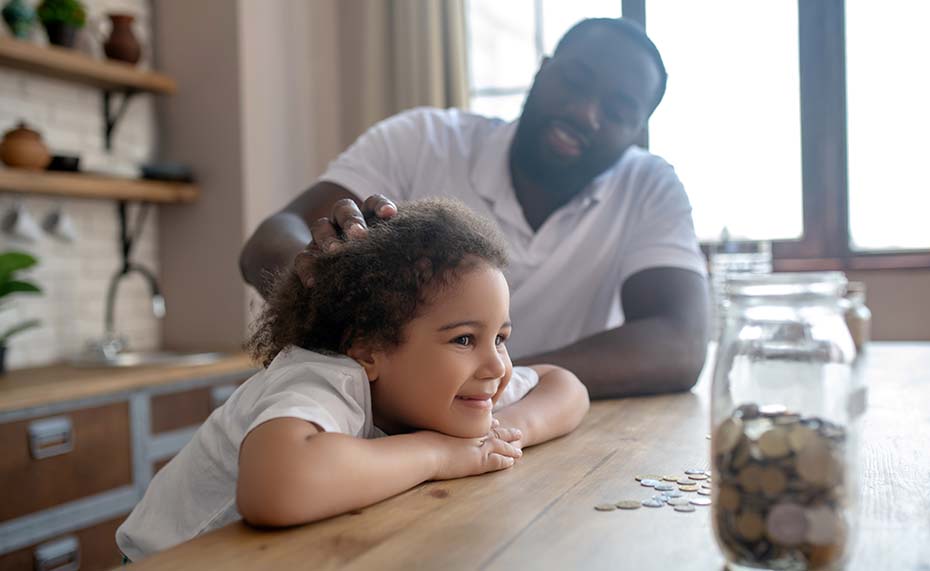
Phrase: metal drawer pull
x=51 y=437
x=59 y=555
x=221 y=394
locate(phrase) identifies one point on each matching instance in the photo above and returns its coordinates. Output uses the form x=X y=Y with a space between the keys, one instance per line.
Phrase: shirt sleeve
x=664 y=235
x=325 y=400
x=383 y=160
x=522 y=381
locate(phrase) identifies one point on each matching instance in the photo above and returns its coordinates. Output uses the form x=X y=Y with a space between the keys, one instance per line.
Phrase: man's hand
x=345 y=222
x=461 y=457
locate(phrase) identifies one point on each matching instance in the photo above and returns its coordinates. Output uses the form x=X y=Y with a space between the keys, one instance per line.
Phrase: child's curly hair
x=373 y=287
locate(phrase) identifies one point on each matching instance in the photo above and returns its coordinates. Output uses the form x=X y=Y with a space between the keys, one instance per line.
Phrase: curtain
x=399 y=54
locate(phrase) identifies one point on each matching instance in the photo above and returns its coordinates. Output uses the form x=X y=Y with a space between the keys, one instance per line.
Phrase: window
x=800 y=122
x=733 y=78
x=508 y=38
x=888 y=117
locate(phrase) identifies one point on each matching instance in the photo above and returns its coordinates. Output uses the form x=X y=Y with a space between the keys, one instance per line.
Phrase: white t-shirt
x=565 y=279
x=196 y=491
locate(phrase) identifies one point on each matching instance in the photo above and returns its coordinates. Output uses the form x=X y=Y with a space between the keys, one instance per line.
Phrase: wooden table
x=539 y=515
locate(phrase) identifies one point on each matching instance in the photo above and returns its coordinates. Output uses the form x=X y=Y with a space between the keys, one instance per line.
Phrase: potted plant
x=62 y=19
x=10 y=283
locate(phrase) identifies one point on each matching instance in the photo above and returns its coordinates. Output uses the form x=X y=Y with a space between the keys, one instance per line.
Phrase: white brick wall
x=75 y=275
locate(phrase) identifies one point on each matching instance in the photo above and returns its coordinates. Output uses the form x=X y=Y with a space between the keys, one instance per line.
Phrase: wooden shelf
x=76 y=66
x=79 y=185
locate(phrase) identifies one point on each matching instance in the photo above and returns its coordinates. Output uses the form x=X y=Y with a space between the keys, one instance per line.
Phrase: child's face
x=453 y=365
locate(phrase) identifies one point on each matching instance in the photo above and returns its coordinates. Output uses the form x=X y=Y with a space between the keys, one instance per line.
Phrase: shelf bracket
x=111 y=117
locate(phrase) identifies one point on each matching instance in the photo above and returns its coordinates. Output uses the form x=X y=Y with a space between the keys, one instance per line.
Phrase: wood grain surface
x=539 y=514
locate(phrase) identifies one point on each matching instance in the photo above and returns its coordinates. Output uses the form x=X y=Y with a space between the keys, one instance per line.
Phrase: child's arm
x=553 y=408
x=290 y=472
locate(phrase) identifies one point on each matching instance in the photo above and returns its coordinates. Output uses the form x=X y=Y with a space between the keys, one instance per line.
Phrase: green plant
x=10 y=264
x=65 y=11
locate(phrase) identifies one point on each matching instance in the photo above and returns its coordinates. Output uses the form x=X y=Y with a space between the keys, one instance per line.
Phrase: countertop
x=27 y=388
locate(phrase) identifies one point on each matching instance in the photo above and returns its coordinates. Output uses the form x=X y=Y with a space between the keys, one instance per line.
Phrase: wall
x=899 y=303
x=75 y=275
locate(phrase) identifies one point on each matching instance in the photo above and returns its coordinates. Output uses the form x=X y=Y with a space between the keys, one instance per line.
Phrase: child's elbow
x=269 y=506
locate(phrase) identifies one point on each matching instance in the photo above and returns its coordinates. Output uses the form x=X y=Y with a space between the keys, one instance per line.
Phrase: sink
x=143 y=358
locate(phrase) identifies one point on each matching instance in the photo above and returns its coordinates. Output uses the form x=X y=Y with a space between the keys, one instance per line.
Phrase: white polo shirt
x=565 y=278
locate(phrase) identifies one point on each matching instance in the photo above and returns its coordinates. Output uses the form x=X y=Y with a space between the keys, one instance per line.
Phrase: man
x=593 y=222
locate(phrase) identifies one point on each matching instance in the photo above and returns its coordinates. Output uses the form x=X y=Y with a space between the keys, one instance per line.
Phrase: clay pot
x=122 y=45
x=23 y=148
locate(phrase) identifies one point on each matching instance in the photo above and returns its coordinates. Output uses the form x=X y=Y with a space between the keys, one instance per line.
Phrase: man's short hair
x=629 y=29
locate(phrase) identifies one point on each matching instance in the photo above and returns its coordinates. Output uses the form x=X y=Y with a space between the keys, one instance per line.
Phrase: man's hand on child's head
x=346 y=222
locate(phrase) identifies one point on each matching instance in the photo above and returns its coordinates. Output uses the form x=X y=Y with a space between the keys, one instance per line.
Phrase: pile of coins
x=673 y=491
x=780 y=488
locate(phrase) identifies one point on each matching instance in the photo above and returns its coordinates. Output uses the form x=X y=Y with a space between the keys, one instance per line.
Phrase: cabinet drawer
x=52 y=460
x=91 y=548
x=189 y=408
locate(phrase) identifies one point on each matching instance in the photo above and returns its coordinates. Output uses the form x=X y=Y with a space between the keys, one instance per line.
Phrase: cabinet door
x=88 y=549
x=52 y=460
x=186 y=409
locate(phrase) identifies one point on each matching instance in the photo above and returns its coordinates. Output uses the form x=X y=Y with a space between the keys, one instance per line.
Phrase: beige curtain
x=398 y=54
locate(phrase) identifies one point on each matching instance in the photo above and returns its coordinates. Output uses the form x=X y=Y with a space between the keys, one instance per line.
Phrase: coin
x=648 y=477
x=690 y=488
x=774 y=443
x=628 y=504
x=704 y=492
x=750 y=478
x=650 y=503
x=694 y=471
x=649 y=483
x=729 y=498
x=750 y=525
x=700 y=501
x=701 y=476
x=822 y=526
x=664 y=487
x=773 y=481
x=670 y=478
x=673 y=494
x=728 y=435
x=685 y=508
x=816 y=464
x=605 y=507
x=684 y=481
x=678 y=501
x=799 y=436
x=747 y=411
x=772 y=410
x=786 y=524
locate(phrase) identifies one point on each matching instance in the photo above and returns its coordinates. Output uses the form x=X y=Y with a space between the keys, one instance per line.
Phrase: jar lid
x=816 y=284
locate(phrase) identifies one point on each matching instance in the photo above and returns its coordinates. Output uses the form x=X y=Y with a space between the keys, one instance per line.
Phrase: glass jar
x=784 y=406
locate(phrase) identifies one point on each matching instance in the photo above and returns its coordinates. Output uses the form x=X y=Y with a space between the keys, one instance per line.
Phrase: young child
x=383 y=375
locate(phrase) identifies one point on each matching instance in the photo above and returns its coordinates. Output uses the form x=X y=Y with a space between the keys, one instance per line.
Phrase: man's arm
x=660 y=347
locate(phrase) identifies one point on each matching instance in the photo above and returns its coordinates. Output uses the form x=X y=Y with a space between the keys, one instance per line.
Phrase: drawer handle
x=59 y=555
x=50 y=437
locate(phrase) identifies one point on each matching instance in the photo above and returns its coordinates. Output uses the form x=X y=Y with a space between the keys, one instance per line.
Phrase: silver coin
x=685 y=508
x=678 y=502
x=649 y=483
x=704 y=492
x=695 y=471
x=660 y=497
x=664 y=487
x=653 y=503
x=700 y=501
x=673 y=494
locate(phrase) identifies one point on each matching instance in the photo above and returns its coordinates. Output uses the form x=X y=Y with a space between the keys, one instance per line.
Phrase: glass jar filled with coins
x=784 y=406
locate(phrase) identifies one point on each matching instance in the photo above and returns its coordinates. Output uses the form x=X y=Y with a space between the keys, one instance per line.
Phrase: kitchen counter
x=27 y=388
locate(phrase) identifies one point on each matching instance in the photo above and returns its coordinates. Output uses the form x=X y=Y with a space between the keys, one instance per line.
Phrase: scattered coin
x=648 y=477
x=684 y=508
x=695 y=471
x=649 y=483
x=701 y=476
x=664 y=487
x=684 y=481
x=673 y=494
x=605 y=507
x=650 y=503
x=628 y=504
x=670 y=478
x=678 y=501
x=689 y=488
x=700 y=501
x=705 y=492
